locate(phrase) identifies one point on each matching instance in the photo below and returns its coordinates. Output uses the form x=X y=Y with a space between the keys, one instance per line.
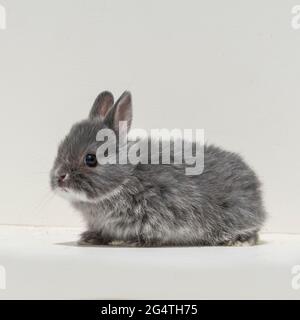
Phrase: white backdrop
x=231 y=67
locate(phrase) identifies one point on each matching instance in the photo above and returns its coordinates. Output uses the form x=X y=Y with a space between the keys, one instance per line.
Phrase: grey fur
x=157 y=205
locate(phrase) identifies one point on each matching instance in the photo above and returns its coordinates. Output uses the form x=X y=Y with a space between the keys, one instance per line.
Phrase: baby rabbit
x=154 y=204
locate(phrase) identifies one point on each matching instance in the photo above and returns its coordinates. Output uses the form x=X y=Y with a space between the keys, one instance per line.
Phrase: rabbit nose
x=62 y=177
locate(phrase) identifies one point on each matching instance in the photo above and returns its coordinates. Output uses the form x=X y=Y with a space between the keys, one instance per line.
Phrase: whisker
x=45 y=200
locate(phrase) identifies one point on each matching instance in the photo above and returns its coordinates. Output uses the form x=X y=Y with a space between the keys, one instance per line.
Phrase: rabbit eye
x=90 y=160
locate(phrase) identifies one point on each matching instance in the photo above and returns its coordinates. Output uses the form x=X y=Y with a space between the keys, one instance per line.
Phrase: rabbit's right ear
x=102 y=105
x=122 y=111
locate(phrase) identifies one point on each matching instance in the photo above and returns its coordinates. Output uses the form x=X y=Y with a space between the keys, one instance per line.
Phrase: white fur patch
x=72 y=195
x=117 y=243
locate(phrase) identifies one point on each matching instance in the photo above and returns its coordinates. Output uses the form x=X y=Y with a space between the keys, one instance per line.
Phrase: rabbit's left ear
x=102 y=105
x=122 y=111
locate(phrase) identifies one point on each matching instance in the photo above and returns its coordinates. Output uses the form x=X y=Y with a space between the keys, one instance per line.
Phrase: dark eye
x=90 y=160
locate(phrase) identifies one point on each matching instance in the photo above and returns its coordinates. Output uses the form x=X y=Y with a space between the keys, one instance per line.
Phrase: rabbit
x=153 y=205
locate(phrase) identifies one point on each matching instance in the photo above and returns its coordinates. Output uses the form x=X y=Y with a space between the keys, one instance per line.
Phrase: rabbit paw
x=89 y=238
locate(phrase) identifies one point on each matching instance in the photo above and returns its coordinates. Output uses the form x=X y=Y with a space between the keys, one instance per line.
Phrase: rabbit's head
x=77 y=173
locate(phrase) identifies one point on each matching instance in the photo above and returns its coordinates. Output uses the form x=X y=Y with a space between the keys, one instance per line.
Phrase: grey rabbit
x=155 y=204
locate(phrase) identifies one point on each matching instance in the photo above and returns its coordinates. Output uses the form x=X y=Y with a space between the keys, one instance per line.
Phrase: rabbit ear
x=122 y=111
x=102 y=105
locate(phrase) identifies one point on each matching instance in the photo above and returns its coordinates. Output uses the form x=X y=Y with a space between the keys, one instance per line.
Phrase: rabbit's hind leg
x=243 y=240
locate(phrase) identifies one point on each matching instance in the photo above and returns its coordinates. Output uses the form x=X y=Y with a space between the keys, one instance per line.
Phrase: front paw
x=91 y=238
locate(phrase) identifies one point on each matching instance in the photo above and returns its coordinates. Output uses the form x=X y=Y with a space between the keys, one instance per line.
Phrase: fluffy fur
x=156 y=205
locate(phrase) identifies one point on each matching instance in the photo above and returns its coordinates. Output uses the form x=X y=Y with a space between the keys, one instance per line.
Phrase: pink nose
x=62 y=178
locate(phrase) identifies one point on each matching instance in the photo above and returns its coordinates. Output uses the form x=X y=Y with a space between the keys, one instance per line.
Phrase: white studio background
x=231 y=67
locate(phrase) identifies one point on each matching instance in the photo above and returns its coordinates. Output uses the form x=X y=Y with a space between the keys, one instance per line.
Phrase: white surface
x=230 y=67
x=45 y=263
